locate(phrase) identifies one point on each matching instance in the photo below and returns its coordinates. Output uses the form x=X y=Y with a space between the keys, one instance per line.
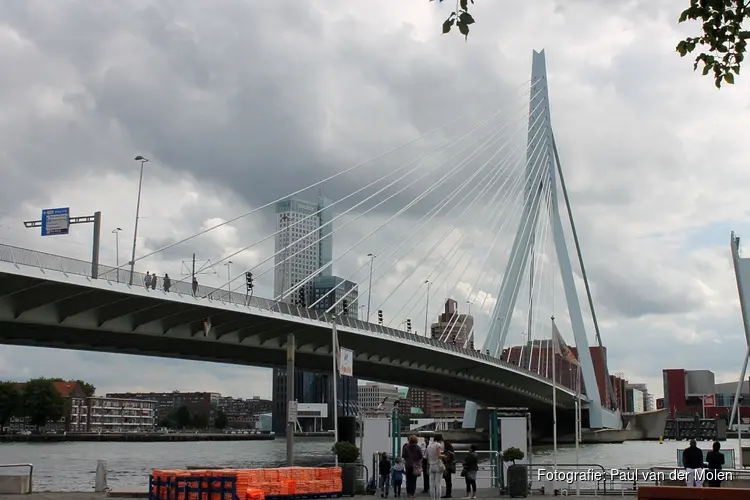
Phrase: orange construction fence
x=685 y=493
x=258 y=484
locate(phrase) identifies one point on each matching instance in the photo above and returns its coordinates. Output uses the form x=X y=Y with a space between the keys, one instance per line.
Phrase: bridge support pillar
x=291 y=406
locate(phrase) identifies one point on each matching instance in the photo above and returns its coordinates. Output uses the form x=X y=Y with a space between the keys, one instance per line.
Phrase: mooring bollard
x=100 y=485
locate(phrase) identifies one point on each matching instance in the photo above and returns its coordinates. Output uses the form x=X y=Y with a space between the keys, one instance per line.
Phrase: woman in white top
x=437 y=467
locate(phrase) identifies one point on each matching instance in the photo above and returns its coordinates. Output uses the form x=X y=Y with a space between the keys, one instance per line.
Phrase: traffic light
x=249 y=280
x=408 y=325
x=345 y=307
x=380 y=317
x=302 y=297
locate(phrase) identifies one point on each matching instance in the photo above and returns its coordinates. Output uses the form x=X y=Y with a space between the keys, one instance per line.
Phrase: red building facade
x=679 y=402
x=538 y=358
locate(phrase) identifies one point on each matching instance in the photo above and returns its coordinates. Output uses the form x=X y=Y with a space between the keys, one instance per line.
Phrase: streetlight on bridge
x=369 y=287
x=229 y=278
x=427 y=308
x=137 y=213
x=116 y=232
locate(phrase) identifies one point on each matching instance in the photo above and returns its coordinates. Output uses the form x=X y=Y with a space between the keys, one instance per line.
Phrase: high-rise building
x=454 y=328
x=308 y=222
x=330 y=290
x=304 y=243
x=312 y=388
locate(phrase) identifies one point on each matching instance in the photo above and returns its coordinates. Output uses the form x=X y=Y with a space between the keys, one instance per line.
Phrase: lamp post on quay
x=137 y=213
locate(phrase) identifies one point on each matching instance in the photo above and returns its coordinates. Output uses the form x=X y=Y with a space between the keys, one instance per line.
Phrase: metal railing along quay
x=66 y=265
x=18 y=466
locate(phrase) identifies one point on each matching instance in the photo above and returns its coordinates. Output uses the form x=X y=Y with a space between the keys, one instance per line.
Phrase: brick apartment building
x=244 y=413
x=199 y=403
x=93 y=414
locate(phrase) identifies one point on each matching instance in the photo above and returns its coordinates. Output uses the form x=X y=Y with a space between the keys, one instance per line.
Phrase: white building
x=371 y=395
x=638 y=398
x=300 y=224
x=119 y=415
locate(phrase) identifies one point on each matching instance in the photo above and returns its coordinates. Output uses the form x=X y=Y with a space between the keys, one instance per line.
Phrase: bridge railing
x=68 y=265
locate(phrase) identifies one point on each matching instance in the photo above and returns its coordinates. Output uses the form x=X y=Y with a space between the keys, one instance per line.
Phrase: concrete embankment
x=133 y=437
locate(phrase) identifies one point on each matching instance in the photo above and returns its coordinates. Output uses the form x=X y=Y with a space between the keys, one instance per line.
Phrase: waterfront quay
x=71 y=466
x=481 y=493
x=137 y=437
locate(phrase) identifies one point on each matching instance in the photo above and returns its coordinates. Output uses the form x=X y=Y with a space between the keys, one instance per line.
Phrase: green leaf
x=448 y=24
x=463 y=5
x=729 y=77
x=706 y=69
x=743 y=35
x=682 y=48
x=463 y=28
x=465 y=18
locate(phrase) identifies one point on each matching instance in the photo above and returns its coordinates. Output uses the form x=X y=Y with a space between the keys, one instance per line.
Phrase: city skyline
x=227 y=134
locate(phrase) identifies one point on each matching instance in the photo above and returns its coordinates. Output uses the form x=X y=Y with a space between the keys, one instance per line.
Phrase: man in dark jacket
x=692 y=459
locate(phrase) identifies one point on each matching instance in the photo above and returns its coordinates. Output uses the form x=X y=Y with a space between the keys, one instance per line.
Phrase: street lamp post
x=286 y=268
x=369 y=288
x=427 y=307
x=116 y=232
x=137 y=213
x=229 y=278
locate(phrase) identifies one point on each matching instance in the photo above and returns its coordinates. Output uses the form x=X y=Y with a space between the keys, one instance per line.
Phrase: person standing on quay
x=469 y=472
x=398 y=477
x=437 y=467
x=692 y=460
x=425 y=465
x=412 y=455
x=450 y=468
x=715 y=459
x=385 y=474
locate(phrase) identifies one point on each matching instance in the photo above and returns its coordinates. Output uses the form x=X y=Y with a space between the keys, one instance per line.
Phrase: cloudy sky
x=237 y=103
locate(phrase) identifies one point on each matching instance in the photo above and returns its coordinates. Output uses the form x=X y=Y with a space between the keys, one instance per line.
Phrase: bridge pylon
x=542 y=150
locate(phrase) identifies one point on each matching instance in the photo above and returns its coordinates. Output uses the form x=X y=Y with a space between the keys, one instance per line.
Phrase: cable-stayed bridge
x=453 y=236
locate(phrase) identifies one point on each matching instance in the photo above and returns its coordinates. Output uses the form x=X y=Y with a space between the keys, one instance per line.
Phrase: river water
x=71 y=466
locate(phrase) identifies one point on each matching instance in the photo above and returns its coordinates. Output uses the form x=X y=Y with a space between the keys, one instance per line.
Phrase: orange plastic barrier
x=258 y=484
x=255 y=494
x=685 y=493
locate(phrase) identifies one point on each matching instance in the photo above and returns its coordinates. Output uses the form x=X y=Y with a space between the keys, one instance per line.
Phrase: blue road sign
x=55 y=221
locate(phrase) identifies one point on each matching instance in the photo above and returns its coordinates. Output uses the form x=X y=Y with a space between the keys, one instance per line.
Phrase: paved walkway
x=483 y=493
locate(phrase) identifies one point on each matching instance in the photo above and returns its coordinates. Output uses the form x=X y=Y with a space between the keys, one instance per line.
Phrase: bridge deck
x=49 y=300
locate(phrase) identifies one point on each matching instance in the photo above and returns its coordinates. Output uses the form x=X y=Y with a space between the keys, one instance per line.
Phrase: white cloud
x=233 y=118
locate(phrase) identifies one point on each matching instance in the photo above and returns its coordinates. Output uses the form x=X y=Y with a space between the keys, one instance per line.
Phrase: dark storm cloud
x=247 y=109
